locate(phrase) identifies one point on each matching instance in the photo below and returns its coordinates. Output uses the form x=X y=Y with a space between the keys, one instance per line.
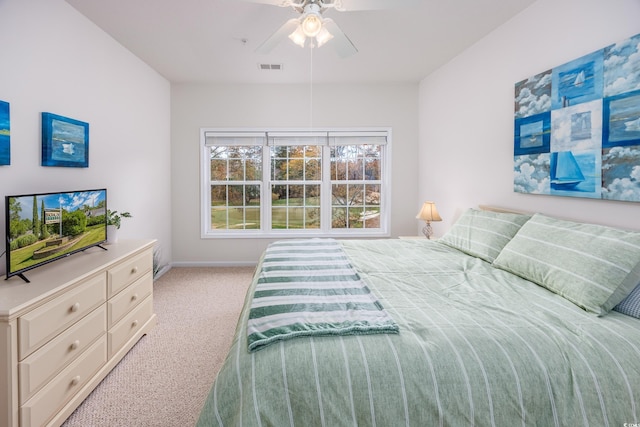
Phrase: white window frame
x=265 y=205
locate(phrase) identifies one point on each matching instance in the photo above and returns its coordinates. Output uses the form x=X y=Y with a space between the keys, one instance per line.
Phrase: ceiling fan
x=318 y=29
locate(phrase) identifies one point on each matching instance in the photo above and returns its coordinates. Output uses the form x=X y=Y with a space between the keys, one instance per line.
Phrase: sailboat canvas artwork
x=577 y=127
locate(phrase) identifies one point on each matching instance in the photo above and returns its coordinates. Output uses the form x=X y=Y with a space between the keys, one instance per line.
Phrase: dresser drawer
x=126 y=273
x=38 y=326
x=122 y=303
x=43 y=364
x=45 y=403
x=129 y=325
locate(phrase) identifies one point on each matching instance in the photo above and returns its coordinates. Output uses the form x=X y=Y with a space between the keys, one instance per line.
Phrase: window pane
x=371 y=218
x=372 y=195
x=339 y=194
x=218 y=217
x=338 y=217
x=356 y=195
x=235 y=195
x=355 y=218
x=312 y=195
x=296 y=169
x=312 y=218
x=278 y=218
x=356 y=169
x=313 y=151
x=236 y=170
x=296 y=152
x=252 y=194
x=252 y=218
x=279 y=170
x=229 y=206
x=218 y=170
x=338 y=163
x=313 y=170
x=296 y=195
x=218 y=195
x=254 y=168
x=372 y=169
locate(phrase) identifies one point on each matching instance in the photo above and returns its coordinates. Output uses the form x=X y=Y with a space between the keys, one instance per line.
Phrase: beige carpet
x=164 y=380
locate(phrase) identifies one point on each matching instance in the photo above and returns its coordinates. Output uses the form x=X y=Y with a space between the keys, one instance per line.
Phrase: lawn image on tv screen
x=44 y=227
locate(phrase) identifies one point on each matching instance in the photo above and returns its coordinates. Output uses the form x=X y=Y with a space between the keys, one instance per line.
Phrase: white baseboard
x=213 y=264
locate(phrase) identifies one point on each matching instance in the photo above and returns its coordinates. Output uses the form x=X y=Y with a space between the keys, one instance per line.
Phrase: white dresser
x=61 y=334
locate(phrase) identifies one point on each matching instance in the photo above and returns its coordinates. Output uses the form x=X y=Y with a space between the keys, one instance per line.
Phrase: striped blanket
x=309 y=288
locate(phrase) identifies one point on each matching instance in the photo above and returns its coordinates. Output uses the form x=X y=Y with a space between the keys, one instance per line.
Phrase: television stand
x=22 y=276
x=61 y=335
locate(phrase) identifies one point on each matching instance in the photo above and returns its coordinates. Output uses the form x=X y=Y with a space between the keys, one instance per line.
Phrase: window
x=295 y=183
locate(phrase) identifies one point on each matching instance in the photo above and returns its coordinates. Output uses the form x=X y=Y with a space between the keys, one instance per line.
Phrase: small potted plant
x=114 y=219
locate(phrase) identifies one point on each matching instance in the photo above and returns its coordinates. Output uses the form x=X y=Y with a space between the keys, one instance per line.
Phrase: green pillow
x=593 y=266
x=483 y=234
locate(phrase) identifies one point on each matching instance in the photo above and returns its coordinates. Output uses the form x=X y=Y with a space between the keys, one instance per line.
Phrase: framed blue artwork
x=65 y=141
x=5 y=134
x=577 y=127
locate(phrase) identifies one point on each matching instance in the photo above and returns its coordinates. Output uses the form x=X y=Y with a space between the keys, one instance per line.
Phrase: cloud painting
x=621 y=173
x=533 y=96
x=622 y=67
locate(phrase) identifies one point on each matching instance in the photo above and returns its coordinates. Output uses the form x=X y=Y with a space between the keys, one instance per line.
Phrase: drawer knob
x=134 y=297
x=134 y=323
x=75 y=307
x=75 y=380
x=75 y=345
x=134 y=270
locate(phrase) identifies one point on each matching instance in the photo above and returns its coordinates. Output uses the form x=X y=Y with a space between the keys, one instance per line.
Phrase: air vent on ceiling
x=276 y=67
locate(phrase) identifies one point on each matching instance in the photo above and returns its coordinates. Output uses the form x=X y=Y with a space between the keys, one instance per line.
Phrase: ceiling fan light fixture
x=311 y=24
x=323 y=36
x=298 y=36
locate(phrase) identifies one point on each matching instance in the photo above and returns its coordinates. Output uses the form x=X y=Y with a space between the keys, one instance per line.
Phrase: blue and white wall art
x=577 y=127
x=5 y=134
x=65 y=141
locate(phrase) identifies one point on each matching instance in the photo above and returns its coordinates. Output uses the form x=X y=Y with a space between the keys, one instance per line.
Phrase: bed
x=509 y=319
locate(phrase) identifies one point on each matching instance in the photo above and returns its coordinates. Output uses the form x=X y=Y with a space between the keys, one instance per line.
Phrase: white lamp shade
x=429 y=212
x=323 y=36
x=298 y=36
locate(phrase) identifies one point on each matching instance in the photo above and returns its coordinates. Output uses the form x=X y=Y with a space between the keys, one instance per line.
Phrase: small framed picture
x=5 y=134
x=65 y=142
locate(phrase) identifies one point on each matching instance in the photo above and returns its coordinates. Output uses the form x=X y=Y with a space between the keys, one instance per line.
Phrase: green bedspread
x=477 y=346
x=309 y=288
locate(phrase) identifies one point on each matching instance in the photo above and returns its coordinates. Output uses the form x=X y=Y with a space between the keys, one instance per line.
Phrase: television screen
x=45 y=227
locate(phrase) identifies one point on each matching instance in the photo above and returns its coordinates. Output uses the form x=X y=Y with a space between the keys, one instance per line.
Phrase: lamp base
x=427 y=230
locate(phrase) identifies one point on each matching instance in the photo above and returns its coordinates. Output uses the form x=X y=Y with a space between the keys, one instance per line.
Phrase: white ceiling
x=214 y=40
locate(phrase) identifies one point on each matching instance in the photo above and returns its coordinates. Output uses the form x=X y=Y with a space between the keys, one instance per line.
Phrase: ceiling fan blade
x=352 y=5
x=340 y=41
x=281 y=34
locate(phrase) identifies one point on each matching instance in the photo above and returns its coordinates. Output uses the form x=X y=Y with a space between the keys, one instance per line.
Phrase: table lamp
x=428 y=213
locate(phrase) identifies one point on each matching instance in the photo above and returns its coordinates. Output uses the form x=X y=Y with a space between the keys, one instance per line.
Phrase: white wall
x=467 y=109
x=273 y=106
x=55 y=60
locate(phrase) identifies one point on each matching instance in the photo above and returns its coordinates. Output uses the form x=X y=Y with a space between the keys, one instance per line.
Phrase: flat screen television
x=45 y=227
